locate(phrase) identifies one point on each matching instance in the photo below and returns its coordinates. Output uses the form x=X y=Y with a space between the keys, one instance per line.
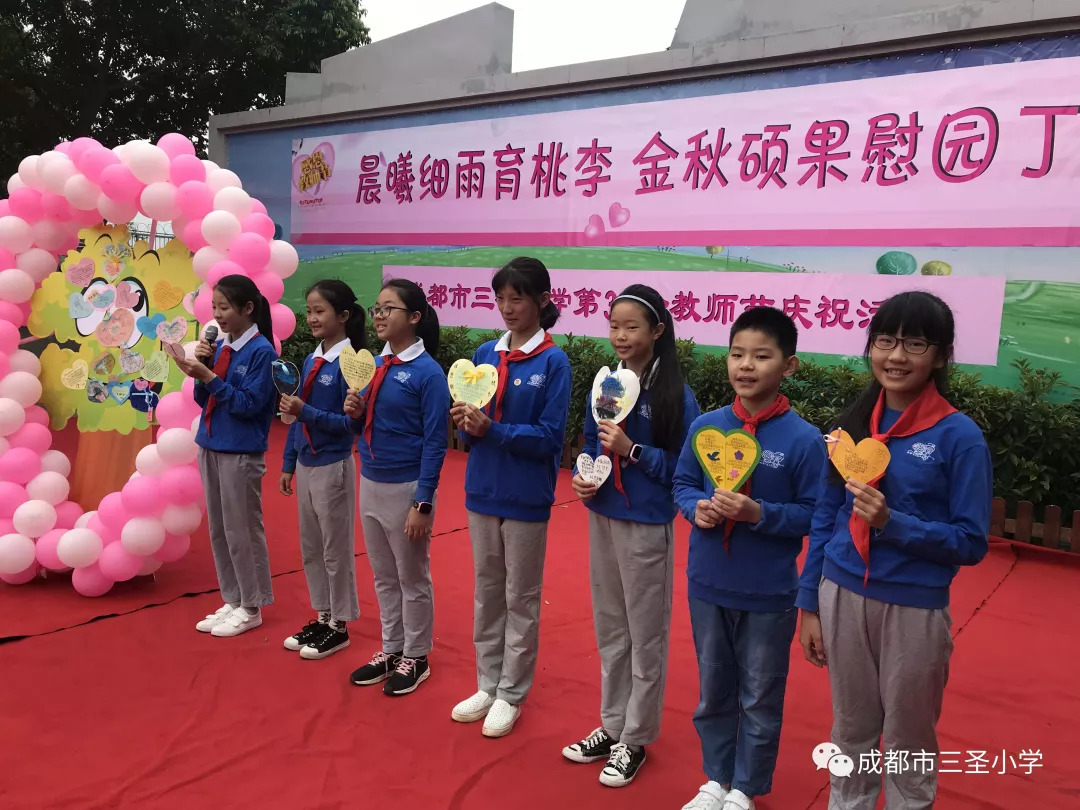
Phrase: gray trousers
x=631 y=568
x=402 y=567
x=326 y=497
x=888 y=665
x=233 y=484
x=508 y=563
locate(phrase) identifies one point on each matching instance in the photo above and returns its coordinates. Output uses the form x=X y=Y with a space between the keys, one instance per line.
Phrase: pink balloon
x=117 y=563
x=19 y=465
x=174 y=547
x=194 y=198
x=90 y=581
x=11 y=313
x=106 y=534
x=79 y=148
x=63 y=147
x=204 y=310
x=176 y=145
x=277 y=346
x=188 y=385
x=120 y=184
x=140 y=497
x=271 y=286
x=111 y=511
x=192 y=235
x=67 y=513
x=94 y=161
x=9 y=334
x=32 y=436
x=7 y=526
x=12 y=496
x=5 y=210
x=251 y=251
x=284 y=320
x=37 y=415
x=259 y=223
x=181 y=485
x=45 y=550
x=55 y=206
x=222 y=269
x=172 y=411
x=257 y=207
x=5 y=363
x=26 y=203
x=184 y=168
x=86 y=219
x=22 y=577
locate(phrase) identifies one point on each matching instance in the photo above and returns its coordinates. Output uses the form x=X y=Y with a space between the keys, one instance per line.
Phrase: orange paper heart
x=863 y=462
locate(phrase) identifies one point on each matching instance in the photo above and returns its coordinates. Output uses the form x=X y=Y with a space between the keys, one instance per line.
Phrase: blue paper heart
x=120 y=391
x=148 y=324
x=79 y=307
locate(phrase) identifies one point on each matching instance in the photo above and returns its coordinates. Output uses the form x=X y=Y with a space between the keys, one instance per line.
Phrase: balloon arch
x=54 y=195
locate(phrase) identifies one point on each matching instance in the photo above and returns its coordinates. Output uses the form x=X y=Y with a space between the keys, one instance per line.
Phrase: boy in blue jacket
x=742 y=564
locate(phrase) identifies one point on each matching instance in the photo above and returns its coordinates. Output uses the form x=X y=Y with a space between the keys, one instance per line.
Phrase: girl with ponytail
x=402 y=421
x=516 y=444
x=234 y=385
x=319 y=453
x=631 y=536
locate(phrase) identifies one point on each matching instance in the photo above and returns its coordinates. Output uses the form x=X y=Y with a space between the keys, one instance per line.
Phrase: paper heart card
x=864 y=462
x=727 y=457
x=614 y=394
x=357 y=367
x=594 y=470
x=473 y=384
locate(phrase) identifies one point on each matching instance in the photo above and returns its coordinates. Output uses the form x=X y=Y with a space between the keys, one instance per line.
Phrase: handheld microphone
x=210 y=336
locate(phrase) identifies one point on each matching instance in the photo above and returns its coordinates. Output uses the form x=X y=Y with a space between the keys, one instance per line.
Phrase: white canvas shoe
x=737 y=800
x=239 y=621
x=214 y=619
x=473 y=709
x=500 y=719
x=711 y=796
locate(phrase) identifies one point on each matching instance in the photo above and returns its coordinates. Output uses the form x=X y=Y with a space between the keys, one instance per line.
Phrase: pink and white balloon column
x=149 y=522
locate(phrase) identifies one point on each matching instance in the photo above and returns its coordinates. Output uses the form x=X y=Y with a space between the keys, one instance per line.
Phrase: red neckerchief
x=780 y=406
x=922 y=414
x=373 y=391
x=505 y=359
x=305 y=392
x=221 y=368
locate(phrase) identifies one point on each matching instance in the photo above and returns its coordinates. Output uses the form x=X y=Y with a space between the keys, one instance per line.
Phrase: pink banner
x=980 y=156
x=831 y=311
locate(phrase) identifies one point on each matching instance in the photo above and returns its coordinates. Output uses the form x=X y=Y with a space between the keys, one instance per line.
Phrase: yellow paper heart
x=357 y=367
x=864 y=461
x=75 y=377
x=167 y=296
x=728 y=458
x=473 y=384
x=156 y=369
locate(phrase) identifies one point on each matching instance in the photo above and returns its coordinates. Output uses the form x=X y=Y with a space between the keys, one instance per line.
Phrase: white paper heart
x=614 y=394
x=594 y=470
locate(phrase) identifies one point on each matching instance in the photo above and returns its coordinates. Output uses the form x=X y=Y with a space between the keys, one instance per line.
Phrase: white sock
x=324 y=616
x=338 y=625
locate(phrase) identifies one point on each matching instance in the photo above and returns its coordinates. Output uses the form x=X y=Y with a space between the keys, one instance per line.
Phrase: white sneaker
x=214 y=619
x=737 y=800
x=239 y=621
x=711 y=796
x=500 y=719
x=473 y=709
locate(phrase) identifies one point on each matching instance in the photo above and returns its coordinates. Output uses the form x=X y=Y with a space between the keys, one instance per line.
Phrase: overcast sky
x=549 y=32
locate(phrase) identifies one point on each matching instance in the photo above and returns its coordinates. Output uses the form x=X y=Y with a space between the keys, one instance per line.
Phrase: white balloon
x=22 y=360
x=50 y=234
x=12 y=416
x=81 y=192
x=37 y=263
x=283 y=258
x=16 y=286
x=234 y=200
x=21 y=386
x=204 y=259
x=84 y=518
x=16 y=553
x=28 y=172
x=149 y=163
x=14 y=183
x=181 y=519
x=118 y=213
x=149 y=566
x=210 y=167
x=51 y=487
x=142 y=536
x=177 y=446
x=220 y=228
x=148 y=462
x=55 y=461
x=195 y=424
x=158 y=201
x=80 y=547
x=16 y=235
x=54 y=169
x=222 y=178
x=34 y=518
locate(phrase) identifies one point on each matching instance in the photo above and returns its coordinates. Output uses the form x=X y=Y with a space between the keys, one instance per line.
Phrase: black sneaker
x=328 y=642
x=409 y=674
x=622 y=766
x=595 y=747
x=296 y=642
x=377 y=670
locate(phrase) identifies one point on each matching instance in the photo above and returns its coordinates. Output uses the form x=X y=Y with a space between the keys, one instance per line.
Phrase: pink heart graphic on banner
x=80 y=273
x=310 y=173
x=618 y=216
x=594 y=231
x=127 y=295
x=173 y=331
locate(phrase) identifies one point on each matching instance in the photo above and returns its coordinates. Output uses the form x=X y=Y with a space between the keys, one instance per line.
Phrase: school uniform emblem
x=240 y=371
x=923 y=451
x=326 y=379
x=771 y=458
x=537 y=380
x=403 y=376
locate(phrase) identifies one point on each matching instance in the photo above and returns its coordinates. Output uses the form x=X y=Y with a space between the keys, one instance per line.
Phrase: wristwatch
x=423 y=507
x=635 y=453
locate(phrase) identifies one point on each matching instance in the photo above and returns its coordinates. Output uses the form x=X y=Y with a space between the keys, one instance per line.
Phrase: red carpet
x=140 y=711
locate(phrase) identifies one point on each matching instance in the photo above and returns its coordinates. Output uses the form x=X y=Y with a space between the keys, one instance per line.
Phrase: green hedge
x=1033 y=431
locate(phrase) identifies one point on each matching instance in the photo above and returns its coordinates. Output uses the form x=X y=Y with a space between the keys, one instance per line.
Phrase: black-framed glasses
x=384 y=311
x=887 y=343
